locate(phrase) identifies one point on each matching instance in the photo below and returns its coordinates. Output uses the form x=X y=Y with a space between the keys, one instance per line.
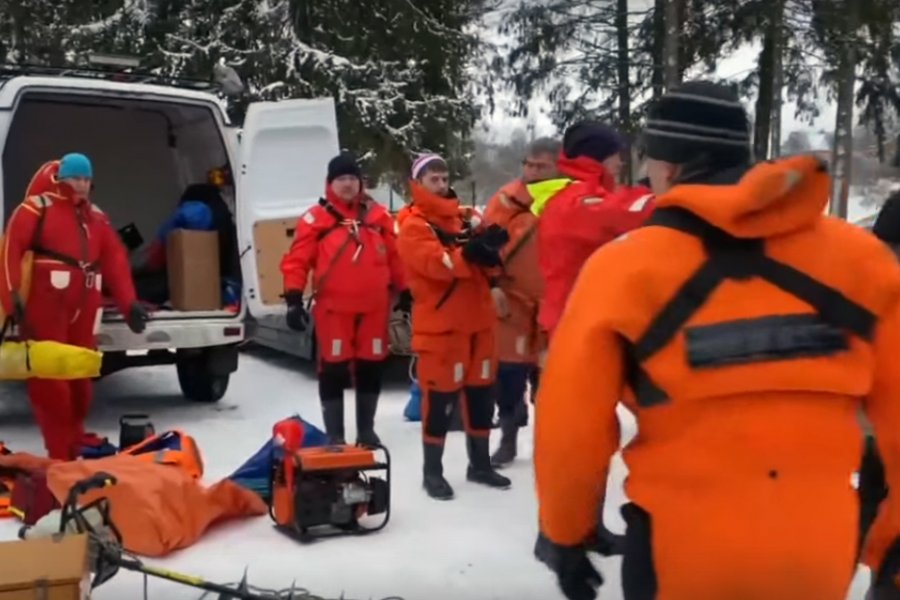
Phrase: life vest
x=174 y=448
x=741 y=342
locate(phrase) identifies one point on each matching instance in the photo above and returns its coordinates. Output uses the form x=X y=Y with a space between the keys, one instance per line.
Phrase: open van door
x=284 y=152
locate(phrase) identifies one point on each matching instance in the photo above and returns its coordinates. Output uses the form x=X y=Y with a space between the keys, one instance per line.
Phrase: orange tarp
x=157 y=508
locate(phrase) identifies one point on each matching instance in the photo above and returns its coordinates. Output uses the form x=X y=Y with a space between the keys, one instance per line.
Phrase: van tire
x=197 y=383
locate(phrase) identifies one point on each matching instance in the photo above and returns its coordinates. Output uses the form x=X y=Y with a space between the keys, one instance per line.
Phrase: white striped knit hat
x=698 y=117
x=424 y=160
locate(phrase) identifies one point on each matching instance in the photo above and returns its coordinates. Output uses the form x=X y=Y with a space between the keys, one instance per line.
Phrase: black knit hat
x=591 y=139
x=887 y=223
x=343 y=164
x=698 y=118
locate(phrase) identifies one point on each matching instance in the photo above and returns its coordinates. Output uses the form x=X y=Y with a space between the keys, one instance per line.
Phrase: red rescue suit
x=75 y=250
x=351 y=250
x=578 y=213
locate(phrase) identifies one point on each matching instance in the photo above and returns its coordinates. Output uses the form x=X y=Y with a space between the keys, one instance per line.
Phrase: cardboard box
x=192 y=258
x=47 y=568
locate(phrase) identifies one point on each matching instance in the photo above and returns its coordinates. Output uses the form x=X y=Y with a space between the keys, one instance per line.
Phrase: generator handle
x=387 y=511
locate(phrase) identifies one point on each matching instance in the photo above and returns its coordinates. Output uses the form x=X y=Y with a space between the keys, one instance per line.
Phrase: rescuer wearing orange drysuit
x=518 y=294
x=76 y=251
x=348 y=242
x=449 y=264
x=744 y=330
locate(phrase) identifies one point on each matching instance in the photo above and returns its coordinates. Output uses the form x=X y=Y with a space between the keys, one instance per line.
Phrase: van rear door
x=284 y=152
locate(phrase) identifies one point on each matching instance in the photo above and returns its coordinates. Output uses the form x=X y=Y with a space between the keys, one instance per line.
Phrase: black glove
x=577 y=577
x=484 y=248
x=885 y=585
x=608 y=543
x=137 y=318
x=404 y=301
x=297 y=317
x=495 y=237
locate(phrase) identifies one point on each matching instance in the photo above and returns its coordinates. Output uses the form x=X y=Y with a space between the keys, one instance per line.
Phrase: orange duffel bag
x=172 y=447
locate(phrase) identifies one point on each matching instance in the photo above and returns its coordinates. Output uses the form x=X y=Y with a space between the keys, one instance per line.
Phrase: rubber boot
x=435 y=484
x=333 y=415
x=366 y=406
x=480 y=469
x=506 y=451
x=521 y=415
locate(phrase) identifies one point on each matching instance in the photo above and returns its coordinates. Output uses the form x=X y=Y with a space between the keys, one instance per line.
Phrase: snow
x=476 y=546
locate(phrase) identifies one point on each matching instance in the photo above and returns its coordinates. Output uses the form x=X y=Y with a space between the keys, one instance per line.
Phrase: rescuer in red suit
x=76 y=251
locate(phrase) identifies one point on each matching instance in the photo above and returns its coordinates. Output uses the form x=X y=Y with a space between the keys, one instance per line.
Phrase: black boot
x=366 y=406
x=435 y=484
x=506 y=451
x=521 y=415
x=480 y=469
x=333 y=415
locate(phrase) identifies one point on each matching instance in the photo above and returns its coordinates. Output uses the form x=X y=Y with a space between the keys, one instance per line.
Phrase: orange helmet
x=44 y=180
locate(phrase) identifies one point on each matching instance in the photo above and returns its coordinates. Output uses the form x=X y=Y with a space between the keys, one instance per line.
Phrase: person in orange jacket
x=744 y=329
x=348 y=242
x=449 y=267
x=76 y=251
x=581 y=210
x=518 y=295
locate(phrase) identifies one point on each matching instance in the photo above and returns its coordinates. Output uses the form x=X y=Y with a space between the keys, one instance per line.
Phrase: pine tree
x=575 y=52
x=878 y=93
x=396 y=68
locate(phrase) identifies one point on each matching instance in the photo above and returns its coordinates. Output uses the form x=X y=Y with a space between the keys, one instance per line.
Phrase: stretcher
x=47 y=360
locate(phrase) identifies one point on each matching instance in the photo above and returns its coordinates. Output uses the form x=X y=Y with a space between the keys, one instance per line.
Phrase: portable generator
x=330 y=490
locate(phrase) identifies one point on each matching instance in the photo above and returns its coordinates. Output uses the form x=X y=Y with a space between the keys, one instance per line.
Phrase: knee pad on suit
x=439 y=410
x=480 y=405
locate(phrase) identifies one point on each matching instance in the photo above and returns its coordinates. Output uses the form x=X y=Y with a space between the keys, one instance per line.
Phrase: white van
x=148 y=142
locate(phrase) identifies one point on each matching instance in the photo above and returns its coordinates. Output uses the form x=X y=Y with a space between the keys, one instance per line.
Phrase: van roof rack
x=8 y=71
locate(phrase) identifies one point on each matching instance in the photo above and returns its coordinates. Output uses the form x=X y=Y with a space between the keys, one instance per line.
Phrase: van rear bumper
x=159 y=335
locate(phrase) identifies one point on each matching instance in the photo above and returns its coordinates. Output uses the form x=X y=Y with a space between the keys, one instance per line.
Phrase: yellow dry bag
x=48 y=360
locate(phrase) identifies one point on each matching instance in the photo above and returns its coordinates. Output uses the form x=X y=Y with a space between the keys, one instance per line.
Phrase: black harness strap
x=729 y=257
x=39 y=250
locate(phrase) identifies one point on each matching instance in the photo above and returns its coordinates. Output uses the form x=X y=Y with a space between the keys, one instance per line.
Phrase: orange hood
x=772 y=198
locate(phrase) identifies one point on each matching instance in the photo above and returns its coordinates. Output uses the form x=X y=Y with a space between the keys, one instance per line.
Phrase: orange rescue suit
x=743 y=329
x=453 y=315
x=518 y=339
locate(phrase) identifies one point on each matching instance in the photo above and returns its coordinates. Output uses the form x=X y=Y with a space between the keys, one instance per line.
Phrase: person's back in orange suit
x=744 y=329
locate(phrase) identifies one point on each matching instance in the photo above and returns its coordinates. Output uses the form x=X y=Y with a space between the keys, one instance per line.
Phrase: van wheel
x=197 y=383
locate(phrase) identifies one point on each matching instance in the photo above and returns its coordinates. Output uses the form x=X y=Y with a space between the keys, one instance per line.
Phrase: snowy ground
x=477 y=546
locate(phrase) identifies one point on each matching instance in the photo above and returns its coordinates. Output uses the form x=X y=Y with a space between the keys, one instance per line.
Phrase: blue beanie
x=75 y=165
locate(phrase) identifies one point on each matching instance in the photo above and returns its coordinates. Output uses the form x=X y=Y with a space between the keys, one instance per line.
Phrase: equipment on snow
x=325 y=491
x=134 y=429
x=47 y=360
x=106 y=555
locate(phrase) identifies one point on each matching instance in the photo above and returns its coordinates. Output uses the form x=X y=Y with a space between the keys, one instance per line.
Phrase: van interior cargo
x=146 y=153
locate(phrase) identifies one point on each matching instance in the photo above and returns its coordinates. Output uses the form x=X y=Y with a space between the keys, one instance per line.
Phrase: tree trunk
x=624 y=68
x=842 y=157
x=658 y=79
x=778 y=48
x=763 y=116
x=672 y=47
